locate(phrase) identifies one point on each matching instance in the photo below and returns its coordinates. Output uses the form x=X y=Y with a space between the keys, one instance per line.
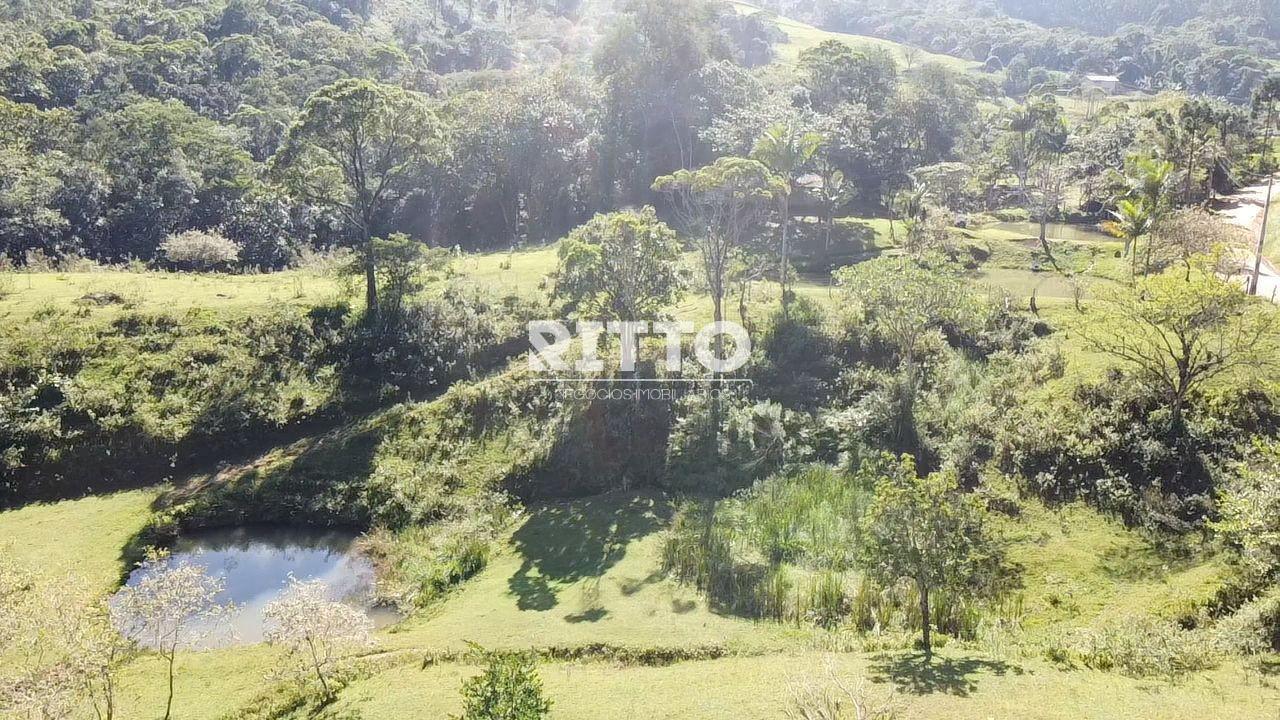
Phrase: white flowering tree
x=60 y=650
x=315 y=631
x=173 y=606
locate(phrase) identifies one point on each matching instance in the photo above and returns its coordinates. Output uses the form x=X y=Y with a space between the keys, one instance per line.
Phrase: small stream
x=255 y=563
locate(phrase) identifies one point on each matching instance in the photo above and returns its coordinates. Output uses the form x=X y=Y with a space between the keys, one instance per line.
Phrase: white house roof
x=1102 y=78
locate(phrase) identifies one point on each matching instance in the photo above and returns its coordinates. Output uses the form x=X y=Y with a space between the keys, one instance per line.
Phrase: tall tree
x=359 y=148
x=650 y=66
x=904 y=302
x=1187 y=135
x=835 y=73
x=1033 y=145
x=1132 y=222
x=786 y=149
x=720 y=206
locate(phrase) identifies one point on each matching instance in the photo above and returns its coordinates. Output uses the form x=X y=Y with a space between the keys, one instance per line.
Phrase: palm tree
x=909 y=206
x=1148 y=181
x=1133 y=219
x=785 y=149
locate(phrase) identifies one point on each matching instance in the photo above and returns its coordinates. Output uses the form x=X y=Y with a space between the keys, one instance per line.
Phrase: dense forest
x=128 y=122
x=1004 y=440
x=1212 y=48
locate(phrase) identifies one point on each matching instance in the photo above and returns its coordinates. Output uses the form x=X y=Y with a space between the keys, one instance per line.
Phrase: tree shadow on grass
x=911 y=673
x=562 y=544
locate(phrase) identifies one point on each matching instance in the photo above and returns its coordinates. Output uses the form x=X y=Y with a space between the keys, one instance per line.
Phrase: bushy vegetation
x=901 y=435
x=1140 y=647
x=508 y=689
x=153 y=390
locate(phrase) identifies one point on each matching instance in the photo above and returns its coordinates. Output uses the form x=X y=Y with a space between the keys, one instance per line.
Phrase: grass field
x=578 y=573
x=957 y=685
x=520 y=272
x=83 y=537
x=587 y=572
x=24 y=294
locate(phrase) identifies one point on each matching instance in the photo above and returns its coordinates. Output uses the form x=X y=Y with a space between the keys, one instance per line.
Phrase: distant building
x=1108 y=84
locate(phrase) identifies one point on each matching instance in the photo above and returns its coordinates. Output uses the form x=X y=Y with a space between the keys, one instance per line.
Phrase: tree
x=649 y=65
x=1033 y=144
x=199 y=250
x=1185 y=234
x=34 y=680
x=1149 y=181
x=402 y=265
x=508 y=689
x=173 y=605
x=620 y=266
x=904 y=302
x=832 y=192
x=786 y=150
x=358 y=147
x=315 y=630
x=1132 y=222
x=1249 y=506
x=1187 y=136
x=1176 y=335
x=60 y=648
x=169 y=170
x=944 y=184
x=925 y=530
x=835 y=74
x=720 y=205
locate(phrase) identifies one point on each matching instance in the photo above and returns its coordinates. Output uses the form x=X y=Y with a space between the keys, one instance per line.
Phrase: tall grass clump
x=788 y=549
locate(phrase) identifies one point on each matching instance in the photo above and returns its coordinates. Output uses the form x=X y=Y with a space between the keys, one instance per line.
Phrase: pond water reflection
x=255 y=563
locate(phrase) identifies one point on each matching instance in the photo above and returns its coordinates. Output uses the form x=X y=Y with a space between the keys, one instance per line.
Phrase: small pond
x=1055 y=231
x=255 y=562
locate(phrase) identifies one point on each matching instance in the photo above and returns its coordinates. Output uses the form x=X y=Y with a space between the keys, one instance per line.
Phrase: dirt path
x=1244 y=209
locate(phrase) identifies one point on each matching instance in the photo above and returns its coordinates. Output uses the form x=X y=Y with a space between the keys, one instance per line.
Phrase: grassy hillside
x=802 y=36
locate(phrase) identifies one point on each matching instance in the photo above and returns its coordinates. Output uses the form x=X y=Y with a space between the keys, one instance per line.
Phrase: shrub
x=424 y=345
x=199 y=250
x=1138 y=647
x=424 y=562
x=508 y=689
x=794 y=362
x=749 y=441
x=1111 y=443
x=1250 y=506
x=1253 y=629
x=827 y=695
x=106 y=402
